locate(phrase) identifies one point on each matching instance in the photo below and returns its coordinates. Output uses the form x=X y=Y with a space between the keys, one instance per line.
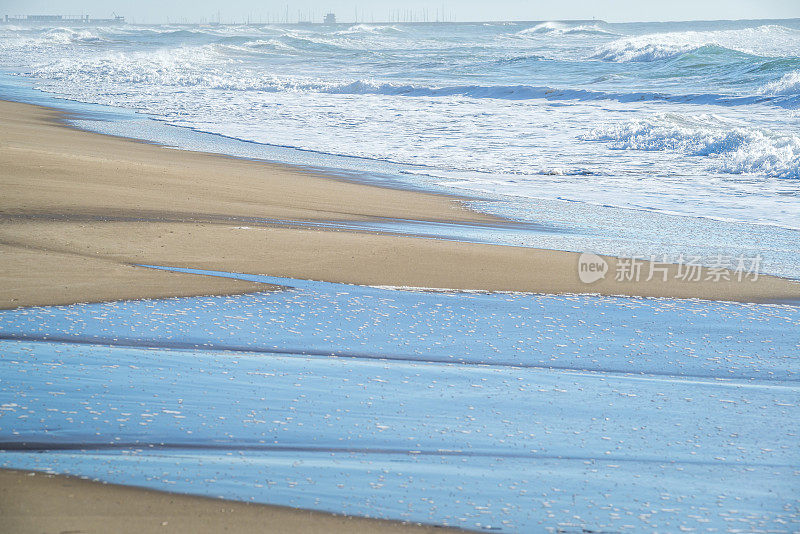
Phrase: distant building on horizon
x=330 y=18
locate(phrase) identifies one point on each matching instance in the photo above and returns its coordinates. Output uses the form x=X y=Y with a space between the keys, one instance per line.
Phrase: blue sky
x=379 y=10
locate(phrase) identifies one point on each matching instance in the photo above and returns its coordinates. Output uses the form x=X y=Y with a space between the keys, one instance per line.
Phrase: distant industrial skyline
x=152 y=11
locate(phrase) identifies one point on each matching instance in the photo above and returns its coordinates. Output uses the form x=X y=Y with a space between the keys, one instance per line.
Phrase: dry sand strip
x=37 y=503
x=79 y=210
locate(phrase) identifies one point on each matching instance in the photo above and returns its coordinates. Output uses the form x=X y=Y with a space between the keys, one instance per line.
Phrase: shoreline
x=396 y=279
x=36 y=501
x=81 y=210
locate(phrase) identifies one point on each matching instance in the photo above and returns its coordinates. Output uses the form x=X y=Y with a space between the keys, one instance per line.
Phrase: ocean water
x=506 y=412
x=697 y=119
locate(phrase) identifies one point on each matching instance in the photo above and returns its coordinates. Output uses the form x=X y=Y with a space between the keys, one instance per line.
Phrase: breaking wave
x=368 y=29
x=764 y=41
x=50 y=37
x=788 y=85
x=730 y=148
x=559 y=28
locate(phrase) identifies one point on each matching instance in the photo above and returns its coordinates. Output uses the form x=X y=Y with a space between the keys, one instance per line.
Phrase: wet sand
x=35 y=503
x=80 y=210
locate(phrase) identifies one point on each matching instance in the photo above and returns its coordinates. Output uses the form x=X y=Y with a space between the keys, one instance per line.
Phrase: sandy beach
x=80 y=210
x=37 y=502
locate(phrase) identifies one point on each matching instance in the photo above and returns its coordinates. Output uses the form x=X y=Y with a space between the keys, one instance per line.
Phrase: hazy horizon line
x=318 y=20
